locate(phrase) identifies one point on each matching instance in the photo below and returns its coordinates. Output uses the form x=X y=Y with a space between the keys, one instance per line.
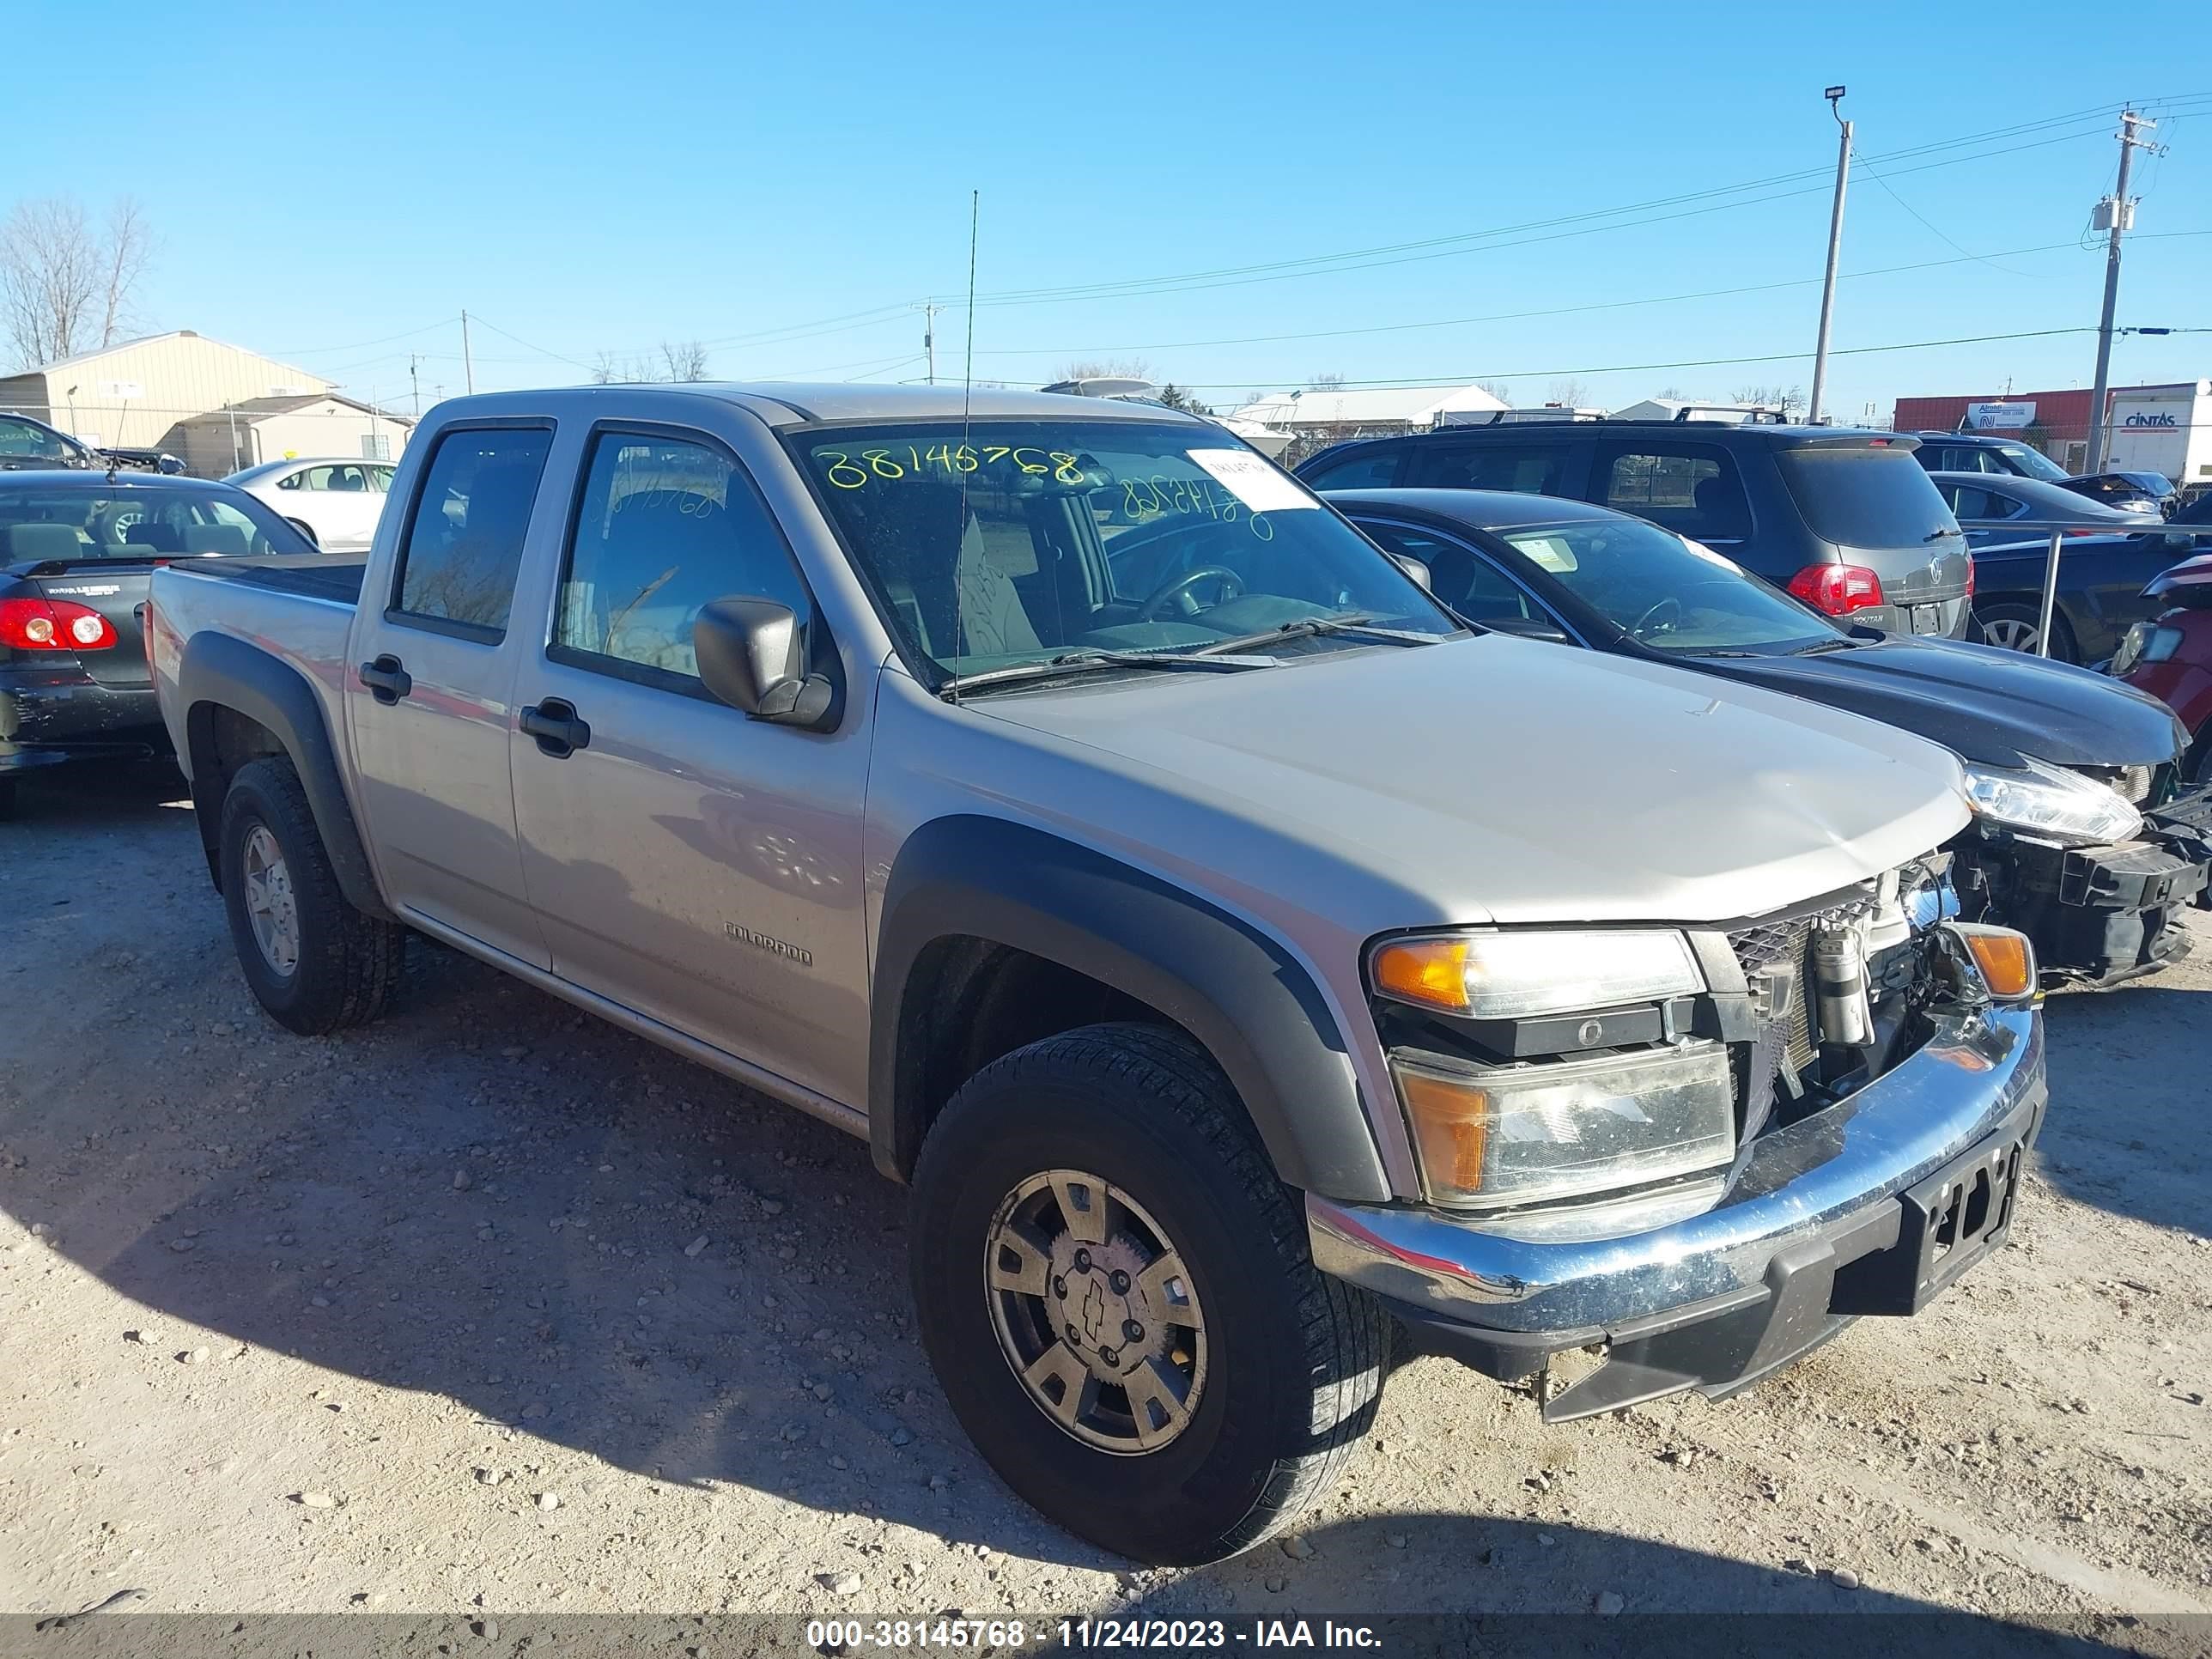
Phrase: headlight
x=1526 y=1134
x=2145 y=642
x=2049 y=800
x=1509 y=976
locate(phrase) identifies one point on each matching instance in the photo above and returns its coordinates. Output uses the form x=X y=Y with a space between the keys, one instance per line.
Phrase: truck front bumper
x=1872 y=1205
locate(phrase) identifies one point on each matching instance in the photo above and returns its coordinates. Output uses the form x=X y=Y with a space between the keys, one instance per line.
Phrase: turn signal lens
x=1429 y=971
x=1451 y=1124
x=2006 y=958
x=1516 y=973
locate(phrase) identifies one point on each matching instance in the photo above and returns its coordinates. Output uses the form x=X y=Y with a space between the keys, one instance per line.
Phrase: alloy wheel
x=1095 y=1312
x=270 y=903
x=2013 y=634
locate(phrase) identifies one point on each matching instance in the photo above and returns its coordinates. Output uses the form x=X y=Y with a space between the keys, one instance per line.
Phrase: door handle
x=387 y=681
x=554 y=724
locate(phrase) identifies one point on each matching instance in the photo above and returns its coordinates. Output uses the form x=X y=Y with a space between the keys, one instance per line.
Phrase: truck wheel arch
x=964 y=881
x=223 y=682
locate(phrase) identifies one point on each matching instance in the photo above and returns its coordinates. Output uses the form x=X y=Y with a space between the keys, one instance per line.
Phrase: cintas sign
x=2138 y=418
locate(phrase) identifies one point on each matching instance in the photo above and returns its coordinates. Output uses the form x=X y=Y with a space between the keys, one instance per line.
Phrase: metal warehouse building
x=216 y=406
x=2153 y=428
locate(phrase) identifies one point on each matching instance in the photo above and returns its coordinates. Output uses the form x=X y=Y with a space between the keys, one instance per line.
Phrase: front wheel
x=1114 y=1291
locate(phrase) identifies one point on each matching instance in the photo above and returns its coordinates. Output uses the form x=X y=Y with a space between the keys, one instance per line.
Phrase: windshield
x=1861 y=496
x=1668 y=593
x=1084 y=535
x=2033 y=462
x=136 y=521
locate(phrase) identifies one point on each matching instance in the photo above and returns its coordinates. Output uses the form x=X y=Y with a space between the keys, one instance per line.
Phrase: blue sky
x=786 y=183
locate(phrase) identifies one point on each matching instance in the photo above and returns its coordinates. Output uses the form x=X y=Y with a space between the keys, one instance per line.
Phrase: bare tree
x=685 y=360
x=1325 y=383
x=1570 y=393
x=606 y=371
x=1497 y=389
x=66 y=286
x=1783 y=398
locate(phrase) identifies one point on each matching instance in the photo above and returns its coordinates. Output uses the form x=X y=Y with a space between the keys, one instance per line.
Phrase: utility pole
x=2121 y=213
x=929 y=337
x=468 y=363
x=415 y=383
x=1835 y=96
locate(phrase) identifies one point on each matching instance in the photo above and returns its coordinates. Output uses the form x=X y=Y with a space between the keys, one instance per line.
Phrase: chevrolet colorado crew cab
x=1242 y=1016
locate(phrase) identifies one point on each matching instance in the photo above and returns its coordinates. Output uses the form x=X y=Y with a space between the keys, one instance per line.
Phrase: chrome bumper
x=1817 y=1179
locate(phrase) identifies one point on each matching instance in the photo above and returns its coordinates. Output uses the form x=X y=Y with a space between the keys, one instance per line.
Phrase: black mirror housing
x=753 y=656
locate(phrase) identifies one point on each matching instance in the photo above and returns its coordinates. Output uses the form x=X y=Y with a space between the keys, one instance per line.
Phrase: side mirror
x=1414 y=568
x=753 y=656
x=169 y=464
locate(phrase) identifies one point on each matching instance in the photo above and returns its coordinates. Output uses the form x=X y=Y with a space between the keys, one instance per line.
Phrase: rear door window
x=1693 y=490
x=1377 y=469
x=1531 y=469
x=1864 y=495
x=464 y=544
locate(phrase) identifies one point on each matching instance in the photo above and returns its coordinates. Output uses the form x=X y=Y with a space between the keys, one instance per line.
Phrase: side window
x=1531 y=469
x=1460 y=576
x=380 y=479
x=20 y=438
x=464 y=544
x=1377 y=470
x=665 y=527
x=1691 y=490
x=1966 y=501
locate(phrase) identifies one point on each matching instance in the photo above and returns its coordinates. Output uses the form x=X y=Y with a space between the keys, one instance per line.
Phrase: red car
x=2170 y=655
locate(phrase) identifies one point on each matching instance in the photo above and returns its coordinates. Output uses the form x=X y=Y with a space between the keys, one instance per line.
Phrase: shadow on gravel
x=489 y=1197
x=94 y=797
x=2129 y=1131
x=1444 y=1579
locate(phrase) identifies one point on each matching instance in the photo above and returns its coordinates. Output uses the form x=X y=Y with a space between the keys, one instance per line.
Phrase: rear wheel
x=315 y=963
x=1115 y=1292
x=2019 y=628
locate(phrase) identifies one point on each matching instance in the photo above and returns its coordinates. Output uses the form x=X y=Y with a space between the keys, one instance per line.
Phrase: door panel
x=430 y=737
x=699 y=867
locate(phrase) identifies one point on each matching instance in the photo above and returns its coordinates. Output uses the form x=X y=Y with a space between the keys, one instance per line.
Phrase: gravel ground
x=493 y=1307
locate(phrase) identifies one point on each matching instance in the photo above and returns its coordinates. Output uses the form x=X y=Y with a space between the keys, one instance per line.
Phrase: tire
x=341 y=965
x=2015 y=626
x=1291 y=1362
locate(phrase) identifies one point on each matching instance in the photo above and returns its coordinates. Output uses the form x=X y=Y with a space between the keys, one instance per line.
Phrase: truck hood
x=1512 y=780
x=1982 y=703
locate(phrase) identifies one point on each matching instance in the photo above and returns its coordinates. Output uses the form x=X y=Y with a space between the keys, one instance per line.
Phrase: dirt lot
x=420 y=1320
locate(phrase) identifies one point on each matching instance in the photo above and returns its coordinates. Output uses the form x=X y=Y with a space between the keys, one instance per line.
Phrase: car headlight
x=2144 y=642
x=1526 y=1134
x=2049 y=800
x=1510 y=976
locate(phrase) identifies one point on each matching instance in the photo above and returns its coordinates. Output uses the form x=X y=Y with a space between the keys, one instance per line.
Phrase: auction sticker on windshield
x=1252 y=481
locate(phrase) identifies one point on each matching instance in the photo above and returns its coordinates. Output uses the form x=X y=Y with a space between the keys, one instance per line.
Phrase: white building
x=242 y=434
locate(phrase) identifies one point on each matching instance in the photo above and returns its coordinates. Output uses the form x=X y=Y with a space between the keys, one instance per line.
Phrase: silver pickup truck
x=1257 y=973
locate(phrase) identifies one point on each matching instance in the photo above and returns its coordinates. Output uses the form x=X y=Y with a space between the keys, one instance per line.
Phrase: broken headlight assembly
x=1492 y=1136
x=2041 y=799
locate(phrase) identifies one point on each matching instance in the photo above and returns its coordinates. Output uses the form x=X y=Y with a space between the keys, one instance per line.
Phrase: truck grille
x=1791 y=942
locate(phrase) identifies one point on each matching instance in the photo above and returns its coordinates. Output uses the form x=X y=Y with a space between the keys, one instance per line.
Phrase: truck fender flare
x=218 y=671
x=1243 y=995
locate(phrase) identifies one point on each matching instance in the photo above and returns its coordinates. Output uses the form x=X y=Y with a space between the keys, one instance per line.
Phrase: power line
x=1525 y=316
x=1699 y=362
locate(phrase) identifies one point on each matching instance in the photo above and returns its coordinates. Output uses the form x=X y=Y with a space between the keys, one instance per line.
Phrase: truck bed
x=336 y=578
x=298 y=609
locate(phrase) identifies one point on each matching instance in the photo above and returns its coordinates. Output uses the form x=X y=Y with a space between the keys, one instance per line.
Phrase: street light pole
x=2123 y=213
x=1835 y=96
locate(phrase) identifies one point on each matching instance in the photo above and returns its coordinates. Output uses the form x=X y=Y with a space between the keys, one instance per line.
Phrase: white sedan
x=335 y=503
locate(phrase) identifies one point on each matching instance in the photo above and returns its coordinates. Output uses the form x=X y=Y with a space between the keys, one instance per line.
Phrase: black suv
x=1842 y=519
x=1984 y=452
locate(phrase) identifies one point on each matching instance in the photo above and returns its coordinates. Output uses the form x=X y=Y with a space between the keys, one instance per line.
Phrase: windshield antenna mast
x=967 y=397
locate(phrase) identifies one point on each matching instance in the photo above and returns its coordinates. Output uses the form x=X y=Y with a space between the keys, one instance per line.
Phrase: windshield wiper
x=1083 y=662
x=1938 y=535
x=1821 y=647
x=1311 y=626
